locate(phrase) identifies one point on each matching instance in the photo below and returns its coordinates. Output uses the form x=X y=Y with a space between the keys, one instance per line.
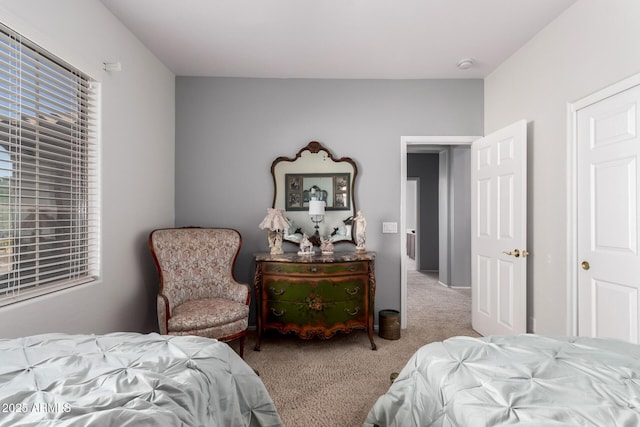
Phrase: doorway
x=424 y=167
x=417 y=144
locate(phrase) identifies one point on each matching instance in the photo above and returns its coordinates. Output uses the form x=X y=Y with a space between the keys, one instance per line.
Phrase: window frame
x=76 y=219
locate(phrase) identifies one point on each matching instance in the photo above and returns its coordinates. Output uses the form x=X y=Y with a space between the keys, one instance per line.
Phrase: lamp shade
x=316 y=207
x=275 y=220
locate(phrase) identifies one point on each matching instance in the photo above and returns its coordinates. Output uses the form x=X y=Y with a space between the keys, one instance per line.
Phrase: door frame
x=572 y=191
x=408 y=143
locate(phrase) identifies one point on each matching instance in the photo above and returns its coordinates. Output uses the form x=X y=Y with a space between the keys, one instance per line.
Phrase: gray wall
x=459 y=216
x=455 y=268
x=229 y=130
x=425 y=167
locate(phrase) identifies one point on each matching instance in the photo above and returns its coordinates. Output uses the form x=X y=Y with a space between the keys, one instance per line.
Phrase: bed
x=528 y=380
x=129 y=379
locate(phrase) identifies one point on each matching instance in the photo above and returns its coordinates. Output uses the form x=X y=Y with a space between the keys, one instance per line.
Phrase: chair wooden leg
x=242 y=339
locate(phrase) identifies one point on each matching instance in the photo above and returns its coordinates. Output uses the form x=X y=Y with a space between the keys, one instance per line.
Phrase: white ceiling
x=387 y=39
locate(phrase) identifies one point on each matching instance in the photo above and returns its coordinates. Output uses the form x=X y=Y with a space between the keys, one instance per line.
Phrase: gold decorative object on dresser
x=315 y=295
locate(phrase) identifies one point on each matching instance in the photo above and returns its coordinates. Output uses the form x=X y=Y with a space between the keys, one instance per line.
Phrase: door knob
x=585 y=265
x=515 y=253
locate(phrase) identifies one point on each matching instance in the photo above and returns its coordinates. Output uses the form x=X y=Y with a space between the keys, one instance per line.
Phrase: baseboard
x=454 y=286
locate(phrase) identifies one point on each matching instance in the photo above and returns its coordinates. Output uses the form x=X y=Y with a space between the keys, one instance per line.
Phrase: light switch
x=389 y=227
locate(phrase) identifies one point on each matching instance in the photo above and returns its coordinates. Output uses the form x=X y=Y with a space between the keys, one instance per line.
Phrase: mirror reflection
x=316 y=191
x=332 y=189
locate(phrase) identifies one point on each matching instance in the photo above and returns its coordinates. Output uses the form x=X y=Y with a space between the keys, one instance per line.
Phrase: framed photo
x=334 y=189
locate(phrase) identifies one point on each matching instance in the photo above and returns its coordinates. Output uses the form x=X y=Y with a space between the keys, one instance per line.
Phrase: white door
x=608 y=193
x=498 y=231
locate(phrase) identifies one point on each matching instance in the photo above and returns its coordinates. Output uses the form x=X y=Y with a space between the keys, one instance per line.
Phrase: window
x=48 y=172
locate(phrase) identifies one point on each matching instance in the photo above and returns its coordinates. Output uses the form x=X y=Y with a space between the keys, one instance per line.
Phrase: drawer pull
x=352 y=291
x=352 y=313
x=352 y=268
x=313 y=269
x=277 y=292
x=278 y=313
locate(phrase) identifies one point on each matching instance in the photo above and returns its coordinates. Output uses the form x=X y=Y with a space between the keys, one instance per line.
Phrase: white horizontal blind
x=48 y=172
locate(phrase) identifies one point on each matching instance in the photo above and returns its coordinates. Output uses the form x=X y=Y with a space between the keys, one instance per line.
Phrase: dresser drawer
x=306 y=269
x=297 y=289
x=315 y=311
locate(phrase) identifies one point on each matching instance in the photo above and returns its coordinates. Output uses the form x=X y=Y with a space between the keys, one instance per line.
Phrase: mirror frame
x=314 y=147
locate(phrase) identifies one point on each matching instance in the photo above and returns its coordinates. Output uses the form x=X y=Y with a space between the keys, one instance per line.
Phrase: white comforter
x=527 y=380
x=127 y=379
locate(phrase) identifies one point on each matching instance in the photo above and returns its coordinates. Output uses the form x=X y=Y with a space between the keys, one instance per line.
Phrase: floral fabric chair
x=198 y=294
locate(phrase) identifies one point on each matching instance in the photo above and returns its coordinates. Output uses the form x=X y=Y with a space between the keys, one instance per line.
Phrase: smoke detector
x=465 y=64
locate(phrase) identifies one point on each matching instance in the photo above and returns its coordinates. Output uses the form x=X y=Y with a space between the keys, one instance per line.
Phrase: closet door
x=608 y=193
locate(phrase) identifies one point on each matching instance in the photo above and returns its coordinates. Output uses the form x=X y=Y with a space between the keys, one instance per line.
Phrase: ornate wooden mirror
x=317 y=193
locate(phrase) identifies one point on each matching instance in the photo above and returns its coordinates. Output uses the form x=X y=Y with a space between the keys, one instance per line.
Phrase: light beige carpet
x=335 y=382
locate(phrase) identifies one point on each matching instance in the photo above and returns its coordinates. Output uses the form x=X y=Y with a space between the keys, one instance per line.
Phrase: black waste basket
x=389 y=324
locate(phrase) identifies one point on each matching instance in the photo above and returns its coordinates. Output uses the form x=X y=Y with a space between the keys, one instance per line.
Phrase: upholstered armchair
x=198 y=294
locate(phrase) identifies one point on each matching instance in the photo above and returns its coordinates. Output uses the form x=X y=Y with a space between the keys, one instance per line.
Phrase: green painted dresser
x=315 y=295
